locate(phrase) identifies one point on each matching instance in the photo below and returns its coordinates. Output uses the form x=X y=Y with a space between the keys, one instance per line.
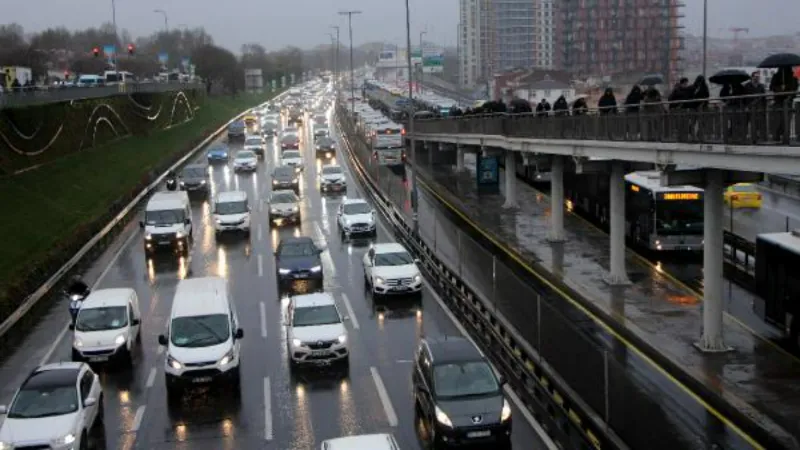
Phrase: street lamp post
x=705 y=35
x=422 y=63
x=166 y=20
x=114 y=24
x=413 y=149
x=349 y=15
x=336 y=65
x=333 y=49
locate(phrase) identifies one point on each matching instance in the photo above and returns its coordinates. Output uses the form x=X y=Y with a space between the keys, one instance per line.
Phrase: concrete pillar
x=617 y=275
x=511 y=180
x=712 y=340
x=557 y=200
x=460 y=158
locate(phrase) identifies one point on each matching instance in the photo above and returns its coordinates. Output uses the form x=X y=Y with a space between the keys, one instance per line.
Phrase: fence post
x=458 y=236
x=494 y=282
x=605 y=389
x=435 y=226
x=539 y=326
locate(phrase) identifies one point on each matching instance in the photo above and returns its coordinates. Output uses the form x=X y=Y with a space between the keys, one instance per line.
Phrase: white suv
x=380 y=441
x=315 y=332
x=390 y=270
x=356 y=216
x=58 y=406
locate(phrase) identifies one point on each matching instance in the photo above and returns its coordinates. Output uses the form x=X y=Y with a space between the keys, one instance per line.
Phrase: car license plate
x=479 y=434
x=320 y=353
x=163 y=242
x=98 y=359
x=201 y=380
x=401 y=288
x=299 y=276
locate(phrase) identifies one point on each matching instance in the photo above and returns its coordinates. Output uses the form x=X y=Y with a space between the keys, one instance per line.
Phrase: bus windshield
x=676 y=217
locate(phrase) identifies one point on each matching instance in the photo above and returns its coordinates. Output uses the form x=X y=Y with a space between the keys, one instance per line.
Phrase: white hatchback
x=378 y=441
x=315 y=332
x=292 y=158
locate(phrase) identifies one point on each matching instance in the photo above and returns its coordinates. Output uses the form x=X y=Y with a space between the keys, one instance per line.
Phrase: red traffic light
x=131 y=48
x=96 y=52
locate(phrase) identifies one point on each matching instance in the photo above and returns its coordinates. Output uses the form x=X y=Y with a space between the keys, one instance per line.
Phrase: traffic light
x=66 y=75
x=131 y=49
x=96 y=52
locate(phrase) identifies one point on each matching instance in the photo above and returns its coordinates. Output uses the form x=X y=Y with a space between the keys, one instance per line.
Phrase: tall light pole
x=114 y=24
x=422 y=63
x=705 y=35
x=166 y=20
x=336 y=65
x=349 y=15
x=413 y=149
x=333 y=49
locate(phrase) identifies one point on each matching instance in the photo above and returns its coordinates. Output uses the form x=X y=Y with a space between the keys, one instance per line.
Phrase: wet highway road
x=778 y=213
x=276 y=410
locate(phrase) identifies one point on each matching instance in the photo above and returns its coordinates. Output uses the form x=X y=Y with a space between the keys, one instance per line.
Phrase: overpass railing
x=775 y=123
x=40 y=95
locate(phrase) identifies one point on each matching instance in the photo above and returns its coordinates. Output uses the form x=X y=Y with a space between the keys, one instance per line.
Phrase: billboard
x=433 y=60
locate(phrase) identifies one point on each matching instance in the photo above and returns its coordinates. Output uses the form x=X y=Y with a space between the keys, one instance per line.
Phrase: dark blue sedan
x=218 y=153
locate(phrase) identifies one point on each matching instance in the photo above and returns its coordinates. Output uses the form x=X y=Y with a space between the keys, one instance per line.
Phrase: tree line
x=70 y=51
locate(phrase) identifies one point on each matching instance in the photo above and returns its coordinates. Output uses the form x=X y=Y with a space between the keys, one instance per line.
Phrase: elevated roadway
x=44 y=95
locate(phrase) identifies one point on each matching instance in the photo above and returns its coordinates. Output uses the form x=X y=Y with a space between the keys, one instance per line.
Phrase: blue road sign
x=488 y=170
x=163 y=57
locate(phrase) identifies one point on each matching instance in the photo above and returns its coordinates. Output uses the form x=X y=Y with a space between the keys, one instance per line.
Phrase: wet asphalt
x=276 y=410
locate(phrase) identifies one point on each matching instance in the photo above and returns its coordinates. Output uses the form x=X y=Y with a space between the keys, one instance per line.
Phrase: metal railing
x=40 y=95
x=765 y=123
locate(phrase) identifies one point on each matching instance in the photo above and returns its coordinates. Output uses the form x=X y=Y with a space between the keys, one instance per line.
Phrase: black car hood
x=298 y=262
x=283 y=179
x=191 y=180
x=462 y=411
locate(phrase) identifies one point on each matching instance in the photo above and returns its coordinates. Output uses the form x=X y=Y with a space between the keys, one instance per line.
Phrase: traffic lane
x=750 y=222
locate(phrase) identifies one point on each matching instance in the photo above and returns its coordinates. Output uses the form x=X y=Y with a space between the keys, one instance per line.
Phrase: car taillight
x=758 y=196
x=734 y=197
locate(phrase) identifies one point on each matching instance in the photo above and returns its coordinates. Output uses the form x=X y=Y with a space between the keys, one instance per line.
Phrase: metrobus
x=387 y=144
x=657 y=218
x=777 y=283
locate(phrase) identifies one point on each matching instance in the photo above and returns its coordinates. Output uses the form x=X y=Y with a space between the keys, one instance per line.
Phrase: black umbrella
x=651 y=80
x=780 y=60
x=729 y=76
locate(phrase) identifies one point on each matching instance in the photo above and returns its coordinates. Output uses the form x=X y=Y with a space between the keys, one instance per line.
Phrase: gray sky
x=304 y=23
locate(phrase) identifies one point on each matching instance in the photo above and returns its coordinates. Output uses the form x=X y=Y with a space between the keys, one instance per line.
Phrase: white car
x=315 y=332
x=332 y=179
x=356 y=217
x=245 y=161
x=390 y=270
x=231 y=212
x=290 y=131
x=108 y=326
x=379 y=441
x=292 y=158
x=58 y=406
x=284 y=206
x=254 y=144
x=321 y=131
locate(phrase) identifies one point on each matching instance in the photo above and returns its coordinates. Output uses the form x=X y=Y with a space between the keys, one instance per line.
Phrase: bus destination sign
x=680 y=196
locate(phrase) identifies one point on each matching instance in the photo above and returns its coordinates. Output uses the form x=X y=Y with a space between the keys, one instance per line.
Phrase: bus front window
x=679 y=217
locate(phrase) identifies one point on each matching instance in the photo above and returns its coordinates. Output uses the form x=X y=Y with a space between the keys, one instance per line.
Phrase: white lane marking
x=260 y=266
x=260 y=233
x=137 y=420
x=349 y=308
x=263 y=310
x=151 y=378
x=391 y=416
x=99 y=280
x=548 y=442
x=404 y=361
x=320 y=235
x=160 y=350
x=267 y=410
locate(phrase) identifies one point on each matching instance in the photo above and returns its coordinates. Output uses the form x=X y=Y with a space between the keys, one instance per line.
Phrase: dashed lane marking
x=391 y=416
x=137 y=420
x=349 y=308
x=260 y=266
x=267 y=410
x=263 y=312
x=151 y=378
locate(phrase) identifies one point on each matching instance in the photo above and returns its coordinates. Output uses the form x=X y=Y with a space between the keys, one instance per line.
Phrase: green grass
x=43 y=208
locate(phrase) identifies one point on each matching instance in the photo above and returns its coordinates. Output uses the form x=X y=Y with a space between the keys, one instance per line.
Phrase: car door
x=422 y=385
x=368 y=258
x=87 y=389
x=133 y=324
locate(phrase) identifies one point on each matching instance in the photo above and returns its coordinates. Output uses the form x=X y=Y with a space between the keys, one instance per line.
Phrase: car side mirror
x=141 y=224
x=502 y=380
x=162 y=340
x=3 y=409
x=187 y=221
x=135 y=322
x=416 y=261
x=239 y=333
x=90 y=401
x=71 y=327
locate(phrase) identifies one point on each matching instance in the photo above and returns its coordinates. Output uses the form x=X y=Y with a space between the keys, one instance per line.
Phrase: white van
x=380 y=441
x=231 y=212
x=203 y=336
x=89 y=81
x=107 y=327
x=167 y=222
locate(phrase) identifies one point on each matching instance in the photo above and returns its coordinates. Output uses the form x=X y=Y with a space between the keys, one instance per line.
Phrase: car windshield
x=321 y=131
x=283 y=197
x=467 y=379
x=357 y=208
x=245 y=155
x=325 y=141
x=297 y=249
x=270 y=124
x=291 y=154
x=290 y=130
x=193 y=172
x=253 y=141
x=290 y=138
x=224 y=208
x=284 y=172
x=44 y=401
x=164 y=217
x=331 y=170
x=393 y=259
x=218 y=150
x=200 y=331
x=315 y=315
x=100 y=319
x=743 y=188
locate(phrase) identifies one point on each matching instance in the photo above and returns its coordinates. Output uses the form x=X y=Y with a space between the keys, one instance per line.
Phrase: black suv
x=458 y=396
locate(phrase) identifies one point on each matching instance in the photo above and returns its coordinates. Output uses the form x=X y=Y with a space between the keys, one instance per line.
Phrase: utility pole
x=166 y=20
x=349 y=15
x=413 y=149
x=333 y=49
x=116 y=35
x=705 y=36
x=422 y=61
x=336 y=70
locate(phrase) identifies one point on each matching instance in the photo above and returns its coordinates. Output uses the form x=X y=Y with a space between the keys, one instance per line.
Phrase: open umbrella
x=780 y=60
x=729 y=76
x=651 y=80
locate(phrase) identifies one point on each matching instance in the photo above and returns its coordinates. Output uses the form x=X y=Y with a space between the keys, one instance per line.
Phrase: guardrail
x=558 y=409
x=41 y=96
x=120 y=219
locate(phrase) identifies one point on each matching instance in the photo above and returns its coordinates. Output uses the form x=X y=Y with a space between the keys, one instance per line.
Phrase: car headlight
x=295 y=180
x=174 y=363
x=442 y=418
x=63 y=440
x=295 y=209
x=75 y=343
x=417 y=278
x=342 y=339
x=119 y=340
x=202 y=181
x=274 y=181
x=148 y=237
x=505 y=414
x=227 y=359
x=179 y=234
x=283 y=271
x=6 y=446
x=379 y=280
x=297 y=343
x=316 y=269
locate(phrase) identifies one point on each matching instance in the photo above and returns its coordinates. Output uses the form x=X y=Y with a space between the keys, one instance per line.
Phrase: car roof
x=453 y=349
x=218 y=148
x=231 y=196
x=50 y=376
x=311 y=300
x=283 y=170
x=196 y=166
x=290 y=151
x=290 y=240
x=378 y=441
x=163 y=200
x=102 y=298
x=245 y=151
x=200 y=297
x=331 y=166
x=353 y=201
x=282 y=191
x=388 y=247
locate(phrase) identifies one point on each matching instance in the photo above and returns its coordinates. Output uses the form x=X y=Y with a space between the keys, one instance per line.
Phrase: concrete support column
x=617 y=275
x=557 y=200
x=460 y=158
x=511 y=180
x=712 y=340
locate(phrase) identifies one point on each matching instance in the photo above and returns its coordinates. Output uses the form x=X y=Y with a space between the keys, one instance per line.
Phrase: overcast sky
x=304 y=23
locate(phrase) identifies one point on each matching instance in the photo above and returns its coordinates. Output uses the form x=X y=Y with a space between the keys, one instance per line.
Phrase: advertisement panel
x=433 y=60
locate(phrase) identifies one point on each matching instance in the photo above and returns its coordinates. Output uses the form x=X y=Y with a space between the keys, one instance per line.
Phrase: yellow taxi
x=251 y=121
x=743 y=195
